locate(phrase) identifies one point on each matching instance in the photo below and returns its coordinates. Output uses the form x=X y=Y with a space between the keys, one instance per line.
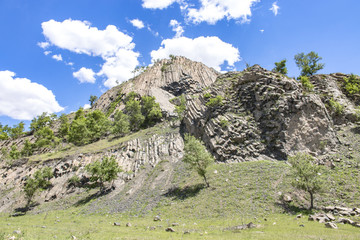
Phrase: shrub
x=352 y=85
x=133 y=110
x=336 y=107
x=40 y=181
x=121 y=123
x=280 y=67
x=44 y=120
x=207 y=95
x=224 y=123
x=27 y=149
x=151 y=110
x=45 y=138
x=17 y=130
x=74 y=181
x=14 y=153
x=305 y=82
x=64 y=126
x=97 y=124
x=103 y=171
x=181 y=107
x=215 y=102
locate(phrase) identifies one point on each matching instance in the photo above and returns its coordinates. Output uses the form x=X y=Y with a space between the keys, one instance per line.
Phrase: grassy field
x=238 y=194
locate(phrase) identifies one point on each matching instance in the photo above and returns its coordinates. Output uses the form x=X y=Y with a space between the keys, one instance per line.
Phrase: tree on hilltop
x=308 y=63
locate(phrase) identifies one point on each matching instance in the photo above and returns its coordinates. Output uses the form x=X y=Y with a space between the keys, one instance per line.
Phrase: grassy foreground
x=238 y=194
x=66 y=224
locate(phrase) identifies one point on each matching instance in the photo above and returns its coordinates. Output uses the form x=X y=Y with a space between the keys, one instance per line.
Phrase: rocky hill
x=251 y=115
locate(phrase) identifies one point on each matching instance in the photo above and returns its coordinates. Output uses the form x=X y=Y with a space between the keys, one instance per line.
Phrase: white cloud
x=160 y=4
x=275 y=8
x=57 y=57
x=137 y=23
x=212 y=11
x=209 y=50
x=47 y=52
x=262 y=30
x=22 y=99
x=87 y=106
x=176 y=27
x=85 y=75
x=43 y=45
x=115 y=47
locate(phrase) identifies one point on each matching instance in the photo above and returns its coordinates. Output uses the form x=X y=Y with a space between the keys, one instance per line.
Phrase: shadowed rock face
x=263 y=115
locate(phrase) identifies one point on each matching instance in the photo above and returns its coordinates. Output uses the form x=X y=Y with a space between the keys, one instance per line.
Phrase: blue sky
x=54 y=54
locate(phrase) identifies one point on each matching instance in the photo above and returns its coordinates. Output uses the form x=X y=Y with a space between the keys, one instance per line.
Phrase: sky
x=54 y=54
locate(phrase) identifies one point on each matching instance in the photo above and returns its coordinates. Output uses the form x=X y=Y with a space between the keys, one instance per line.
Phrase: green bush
x=44 y=120
x=280 y=67
x=215 y=102
x=45 y=137
x=151 y=110
x=305 y=82
x=74 y=181
x=336 y=107
x=207 y=95
x=224 y=123
x=40 y=181
x=103 y=171
x=14 y=153
x=27 y=149
x=121 y=123
x=352 y=85
x=133 y=110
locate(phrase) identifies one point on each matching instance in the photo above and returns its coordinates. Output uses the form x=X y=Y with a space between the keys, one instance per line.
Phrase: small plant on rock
x=305 y=82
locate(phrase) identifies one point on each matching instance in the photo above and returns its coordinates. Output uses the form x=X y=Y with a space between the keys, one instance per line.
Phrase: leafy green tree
x=97 y=124
x=181 y=107
x=27 y=149
x=44 y=120
x=151 y=110
x=17 y=130
x=79 y=134
x=215 y=102
x=80 y=114
x=40 y=181
x=4 y=153
x=306 y=174
x=64 y=126
x=45 y=137
x=280 y=67
x=308 y=63
x=14 y=153
x=4 y=132
x=103 y=171
x=92 y=100
x=133 y=110
x=121 y=123
x=196 y=156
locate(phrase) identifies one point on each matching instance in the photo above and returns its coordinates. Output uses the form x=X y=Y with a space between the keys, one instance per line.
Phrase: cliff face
x=241 y=116
x=263 y=115
x=164 y=80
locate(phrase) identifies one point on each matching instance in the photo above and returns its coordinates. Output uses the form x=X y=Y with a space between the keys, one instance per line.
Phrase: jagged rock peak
x=165 y=79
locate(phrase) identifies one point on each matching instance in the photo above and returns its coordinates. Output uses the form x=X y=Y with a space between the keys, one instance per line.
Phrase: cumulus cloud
x=262 y=30
x=115 y=47
x=47 y=52
x=210 y=50
x=57 y=57
x=87 y=106
x=22 y=99
x=137 y=23
x=176 y=27
x=212 y=11
x=43 y=45
x=275 y=8
x=85 y=75
x=160 y=4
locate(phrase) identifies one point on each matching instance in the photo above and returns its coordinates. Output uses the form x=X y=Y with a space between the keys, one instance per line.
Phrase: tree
x=64 y=126
x=27 y=149
x=280 y=67
x=4 y=132
x=17 y=130
x=151 y=110
x=14 y=153
x=196 y=156
x=308 y=63
x=133 y=110
x=78 y=133
x=40 y=181
x=45 y=137
x=103 y=171
x=306 y=174
x=44 y=120
x=121 y=123
x=97 y=124
x=92 y=100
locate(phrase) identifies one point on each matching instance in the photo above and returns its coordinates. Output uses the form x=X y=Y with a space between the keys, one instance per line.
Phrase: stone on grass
x=170 y=229
x=331 y=225
x=157 y=218
x=116 y=224
x=128 y=224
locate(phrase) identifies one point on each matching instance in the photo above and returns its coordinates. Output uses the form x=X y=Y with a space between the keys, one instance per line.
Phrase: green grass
x=103 y=144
